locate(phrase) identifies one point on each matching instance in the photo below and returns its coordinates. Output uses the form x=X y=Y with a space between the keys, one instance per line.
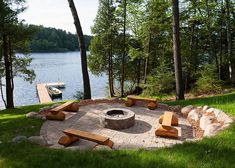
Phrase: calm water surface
x=54 y=67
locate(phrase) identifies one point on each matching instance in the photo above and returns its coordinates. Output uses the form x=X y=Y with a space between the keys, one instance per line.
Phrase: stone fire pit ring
x=117 y=118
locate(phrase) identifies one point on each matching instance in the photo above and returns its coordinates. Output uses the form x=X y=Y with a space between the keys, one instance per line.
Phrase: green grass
x=218 y=151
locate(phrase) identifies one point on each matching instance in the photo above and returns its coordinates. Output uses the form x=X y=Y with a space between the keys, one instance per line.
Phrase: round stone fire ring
x=117 y=118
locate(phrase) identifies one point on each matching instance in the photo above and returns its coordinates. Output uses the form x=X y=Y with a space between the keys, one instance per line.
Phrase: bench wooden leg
x=129 y=102
x=174 y=120
x=67 y=140
x=73 y=107
x=152 y=105
x=169 y=132
x=108 y=143
x=60 y=116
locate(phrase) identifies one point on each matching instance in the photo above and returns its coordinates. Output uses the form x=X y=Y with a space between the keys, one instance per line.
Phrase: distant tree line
x=55 y=40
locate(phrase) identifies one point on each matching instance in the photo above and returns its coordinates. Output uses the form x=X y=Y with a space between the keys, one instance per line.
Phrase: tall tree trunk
x=229 y=41
x=8 y=65
x=123 y=50
x=176 y=48
x=110 y=54
x=86 y=81
x=211 y=44
x=146 y=67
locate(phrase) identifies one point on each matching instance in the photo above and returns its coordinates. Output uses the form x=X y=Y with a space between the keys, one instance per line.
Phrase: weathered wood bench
x=131 y=100
x=166 y=130
x=71 y=133
x=57 y=112
x=68 y=106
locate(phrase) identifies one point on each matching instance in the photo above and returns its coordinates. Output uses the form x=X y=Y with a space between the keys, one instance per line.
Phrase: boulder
x=194 y=115
x=205 y=121
x=210 y=110
x=31 y=114
x=217 y=112
x=45 y=109
x=211 y=129
x=101 y=147
x=35 y=115
x=40 y=140
x=19 y=139
x=222 y=117
x=54 y=106
x=205 y=108
x=185 y=110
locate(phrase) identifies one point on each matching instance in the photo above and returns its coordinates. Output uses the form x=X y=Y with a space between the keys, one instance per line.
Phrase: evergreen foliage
x=55 y=40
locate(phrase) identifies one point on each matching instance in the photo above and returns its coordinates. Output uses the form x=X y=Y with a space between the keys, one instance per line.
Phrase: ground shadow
x=186 y=132
x=139 y=128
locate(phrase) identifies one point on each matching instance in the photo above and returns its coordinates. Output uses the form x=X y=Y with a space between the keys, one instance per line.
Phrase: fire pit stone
x=117 y=118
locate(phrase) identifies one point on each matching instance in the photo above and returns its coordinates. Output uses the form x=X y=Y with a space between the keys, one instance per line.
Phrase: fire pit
x=117 y=118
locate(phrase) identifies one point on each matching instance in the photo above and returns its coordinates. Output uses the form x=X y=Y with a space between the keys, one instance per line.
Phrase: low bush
x=161 y=81
x=208 y=82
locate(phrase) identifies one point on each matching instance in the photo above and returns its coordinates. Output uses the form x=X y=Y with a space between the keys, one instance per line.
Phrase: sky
x=56 y=13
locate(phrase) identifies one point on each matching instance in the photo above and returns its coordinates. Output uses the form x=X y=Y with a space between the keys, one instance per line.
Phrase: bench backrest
x=86 y=135
x=167 y=118
x=63 y=106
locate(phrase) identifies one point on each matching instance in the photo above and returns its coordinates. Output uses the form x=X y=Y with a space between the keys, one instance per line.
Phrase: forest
x=55 y=40
x=133 y=44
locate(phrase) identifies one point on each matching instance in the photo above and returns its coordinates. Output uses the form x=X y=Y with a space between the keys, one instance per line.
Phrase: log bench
x=131 y=100
x=57 y=112
x=166 y=129
x=73 y=135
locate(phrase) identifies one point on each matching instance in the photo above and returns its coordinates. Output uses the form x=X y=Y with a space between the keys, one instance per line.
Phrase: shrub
x=160 y=81
x=208 y=82
x=79 y=95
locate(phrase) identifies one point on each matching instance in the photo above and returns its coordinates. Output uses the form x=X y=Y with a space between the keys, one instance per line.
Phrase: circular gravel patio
x=141 y=135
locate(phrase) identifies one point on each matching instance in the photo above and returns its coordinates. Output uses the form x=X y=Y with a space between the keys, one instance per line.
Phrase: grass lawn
x=218 y=151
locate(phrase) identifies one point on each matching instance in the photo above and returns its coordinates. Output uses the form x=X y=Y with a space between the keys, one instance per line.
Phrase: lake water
x=54 y=67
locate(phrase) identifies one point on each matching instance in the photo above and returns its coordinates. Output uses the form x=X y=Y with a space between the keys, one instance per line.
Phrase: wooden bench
x=68 y=106
x=131 y=100
x=166 y=130
x=57 y=112
x=70 y=133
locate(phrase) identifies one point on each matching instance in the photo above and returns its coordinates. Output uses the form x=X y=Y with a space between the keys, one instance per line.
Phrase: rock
x=0 y=142
x=40 y=140
x=210 y=110
x=45 y=109
x=34 y=115
x=205 y=108
x=101 y=147
x=177 y=108
x=186 y=110
x=194 y=115
x=211 y=129
x=54 y=106
x=31 y=114
x=222 y=117
x=19 y=139
x=205 y=121
x=57 y=146
x=217 y=112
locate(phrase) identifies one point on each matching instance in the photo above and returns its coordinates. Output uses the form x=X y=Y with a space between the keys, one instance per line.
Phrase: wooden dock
x=43 y=95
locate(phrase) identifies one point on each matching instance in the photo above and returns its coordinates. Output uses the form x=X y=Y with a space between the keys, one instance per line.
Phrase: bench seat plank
x=167 y=118
x=141 y=98
x=62 y=106
x=86 y=135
